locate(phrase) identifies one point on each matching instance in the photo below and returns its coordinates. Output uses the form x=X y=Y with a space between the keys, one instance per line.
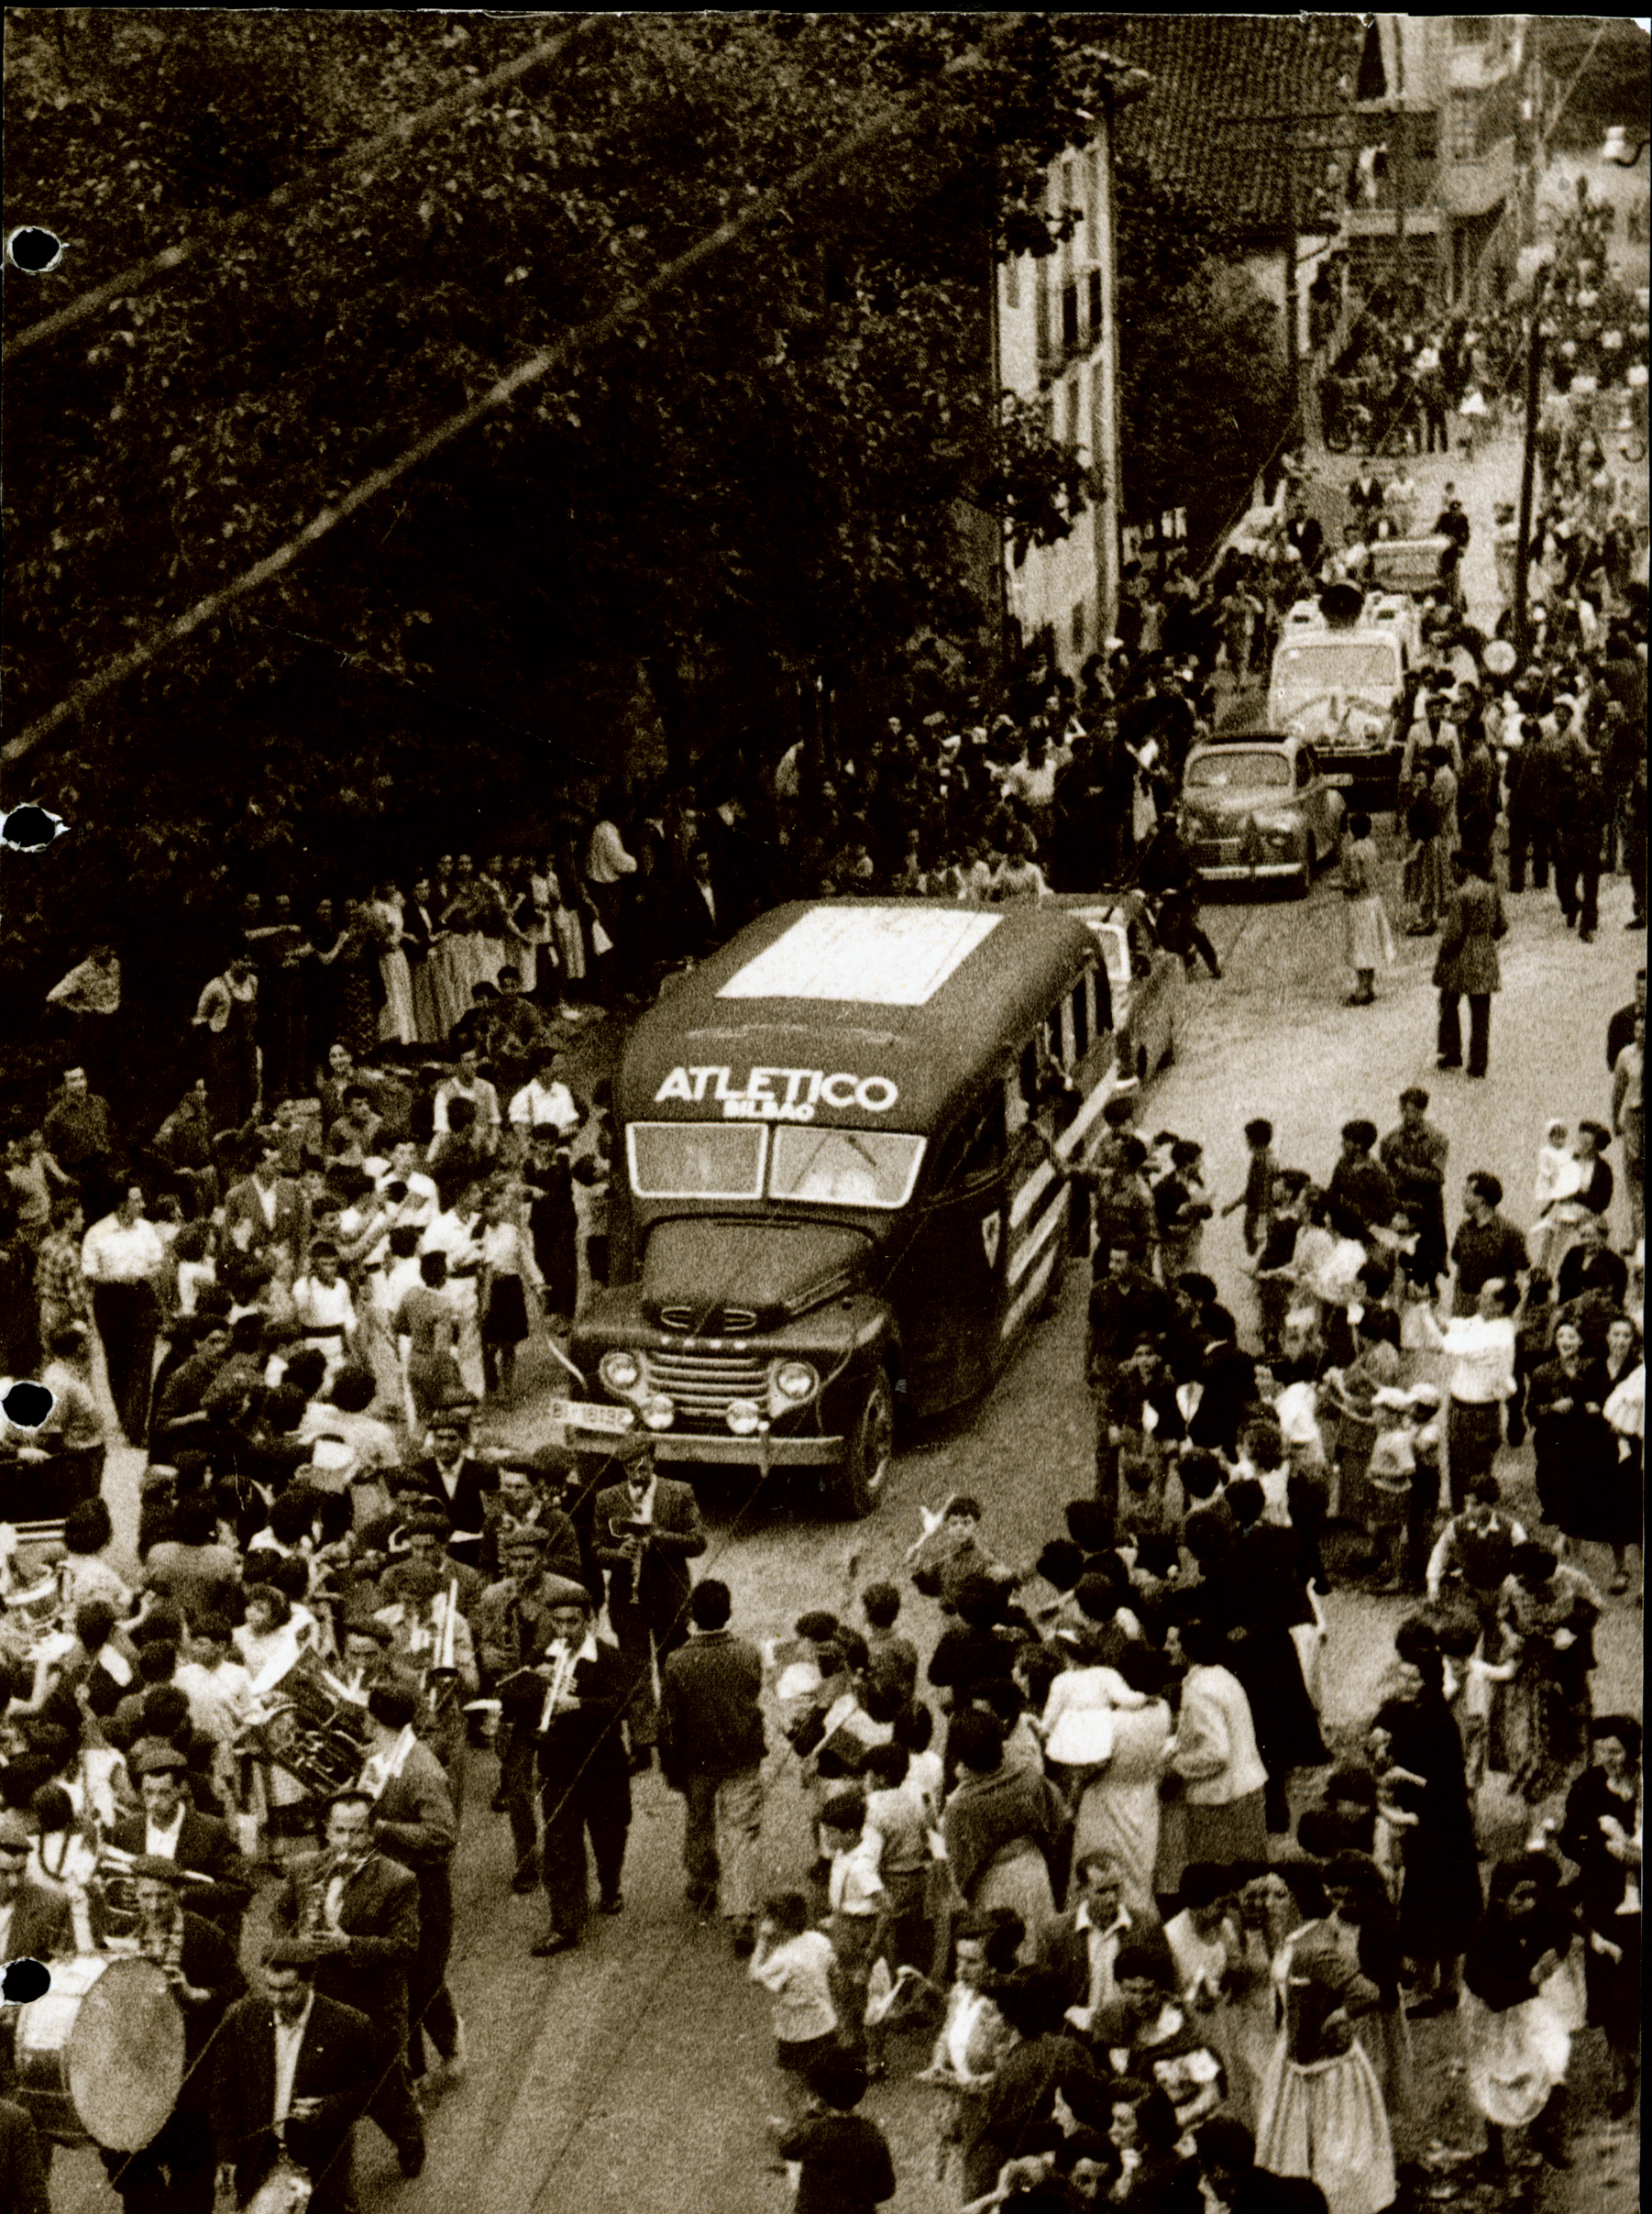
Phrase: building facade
x=1055 y=345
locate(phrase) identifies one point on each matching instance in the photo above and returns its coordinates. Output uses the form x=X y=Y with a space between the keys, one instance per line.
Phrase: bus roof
x=915 y=995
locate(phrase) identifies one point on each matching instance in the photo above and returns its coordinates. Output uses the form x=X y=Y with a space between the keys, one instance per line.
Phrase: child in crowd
x=1257 y=1198
x=843 y=2160
x=1470 y=1686
x=795 y=1964
x=892 y=1659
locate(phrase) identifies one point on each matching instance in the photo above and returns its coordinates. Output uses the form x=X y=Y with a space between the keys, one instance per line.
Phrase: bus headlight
x=743 y=1416
x=620 y=1371
x=795 y=1382
x=658 y=1414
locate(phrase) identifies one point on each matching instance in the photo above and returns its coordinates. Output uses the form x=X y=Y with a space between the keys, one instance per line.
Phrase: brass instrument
x=558 y=1689
x=310 y=1727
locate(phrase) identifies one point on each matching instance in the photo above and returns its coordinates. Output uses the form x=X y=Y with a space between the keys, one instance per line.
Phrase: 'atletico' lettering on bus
x=772 y=1095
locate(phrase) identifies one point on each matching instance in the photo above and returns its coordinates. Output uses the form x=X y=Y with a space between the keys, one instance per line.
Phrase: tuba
x=308 y=1725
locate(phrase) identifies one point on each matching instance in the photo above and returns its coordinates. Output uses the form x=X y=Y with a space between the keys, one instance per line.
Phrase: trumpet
x=558 y=1689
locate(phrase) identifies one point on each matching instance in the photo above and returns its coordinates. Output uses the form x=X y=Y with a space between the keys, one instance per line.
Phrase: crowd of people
x=1094 y=1866
x=1154 y=1927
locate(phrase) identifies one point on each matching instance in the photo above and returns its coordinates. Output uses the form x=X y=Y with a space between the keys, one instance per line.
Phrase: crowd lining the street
x=1160 y=1937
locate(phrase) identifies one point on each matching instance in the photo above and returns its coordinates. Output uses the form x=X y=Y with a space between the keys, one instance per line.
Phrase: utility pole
x=1528 y=470
x=1398 y=158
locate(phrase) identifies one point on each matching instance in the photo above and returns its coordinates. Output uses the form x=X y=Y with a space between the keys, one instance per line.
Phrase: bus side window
x=1053 y=1033
x=1027 y=1076
x=1079 y=1020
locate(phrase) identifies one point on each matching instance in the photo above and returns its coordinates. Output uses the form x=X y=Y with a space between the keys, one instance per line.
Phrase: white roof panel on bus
x=880 y=956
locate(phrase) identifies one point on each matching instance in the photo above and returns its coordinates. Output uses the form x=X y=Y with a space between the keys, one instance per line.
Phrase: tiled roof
x=1208 y=68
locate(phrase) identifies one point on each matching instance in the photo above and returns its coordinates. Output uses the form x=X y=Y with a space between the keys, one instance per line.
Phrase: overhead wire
x=138 y=275
x=522 y=379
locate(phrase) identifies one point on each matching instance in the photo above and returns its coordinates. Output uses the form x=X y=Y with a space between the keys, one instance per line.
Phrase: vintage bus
x=839 y=1185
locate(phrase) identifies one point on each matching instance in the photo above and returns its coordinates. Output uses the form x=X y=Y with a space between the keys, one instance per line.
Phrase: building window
x=1462 y=120
x=1093 y=203
x=1012 y=281
x=1080 y=619
x=1093 y=281
x=1069 y=315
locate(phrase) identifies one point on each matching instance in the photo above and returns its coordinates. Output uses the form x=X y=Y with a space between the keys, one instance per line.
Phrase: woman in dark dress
x=1439 y=1890
x=320 y=977
x=356 y=981
x=1600 y=1833
x=1595 y=1191
x=1573 y=1440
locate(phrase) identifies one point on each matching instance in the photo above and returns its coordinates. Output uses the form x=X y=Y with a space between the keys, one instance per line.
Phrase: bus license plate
x=581 y=1414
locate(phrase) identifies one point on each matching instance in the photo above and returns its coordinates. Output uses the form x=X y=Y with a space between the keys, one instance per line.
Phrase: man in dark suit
x=171 y=1828
x=34 y=1922
x=647 y=1531
x=267 y=1211
x=454 y=1484
x=573 y=1702
x=1467 y=961
x=413 y=1821
x=22 y=2163
x=293 y=2069
x=175 y=2172
x=1082 y=1947
x=360 y=1909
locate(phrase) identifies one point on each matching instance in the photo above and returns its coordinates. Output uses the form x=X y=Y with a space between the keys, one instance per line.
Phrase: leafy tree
x=754 y=497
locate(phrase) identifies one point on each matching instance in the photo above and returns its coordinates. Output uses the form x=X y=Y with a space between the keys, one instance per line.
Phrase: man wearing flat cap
x=34 y=1923
x=360 y=1909
x=175 y=2172
x=514 y=1631
x=172 y=1829
x=647 y=1530
x=292 y=2062
x=571 y=1703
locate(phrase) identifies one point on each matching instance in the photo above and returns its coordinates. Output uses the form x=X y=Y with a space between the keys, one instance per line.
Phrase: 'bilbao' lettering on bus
x=771 y=1094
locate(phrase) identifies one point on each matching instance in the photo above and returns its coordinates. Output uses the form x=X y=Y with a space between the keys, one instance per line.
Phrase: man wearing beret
x=572 y=1702
x=360 y=1909
x=175 y=2172
x=289 y=2061
x=173 y=1830
x=647 y=1530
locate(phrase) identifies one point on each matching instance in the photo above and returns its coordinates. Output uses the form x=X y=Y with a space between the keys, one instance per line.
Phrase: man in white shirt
x=545 y=1099
x=289 y=2061
x=326 y=1310
x=1083 y=1947
x=469 y=1082
x=122 y=1259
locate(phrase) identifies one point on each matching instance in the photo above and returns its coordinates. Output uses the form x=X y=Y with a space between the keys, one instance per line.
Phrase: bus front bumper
x=769 y=1453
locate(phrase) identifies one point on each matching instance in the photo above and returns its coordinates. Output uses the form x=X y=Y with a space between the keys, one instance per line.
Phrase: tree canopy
x=760 y=487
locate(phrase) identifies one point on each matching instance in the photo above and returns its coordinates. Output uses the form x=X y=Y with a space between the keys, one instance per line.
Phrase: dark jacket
x=1467 y=960
x=467 y=1509
x=378 y=1908
x=22 y=2163
x=336 y=2064
x=581 y=1748
x=662 y=1584
x=205 y=1844
x=711 y=1718
x=40 y=1924
x=208 y=1962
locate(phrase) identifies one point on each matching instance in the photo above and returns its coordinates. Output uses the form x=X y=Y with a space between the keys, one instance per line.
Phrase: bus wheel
x=858 y=1484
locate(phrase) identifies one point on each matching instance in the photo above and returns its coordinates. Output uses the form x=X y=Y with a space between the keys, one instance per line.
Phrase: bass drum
x=100 y=2055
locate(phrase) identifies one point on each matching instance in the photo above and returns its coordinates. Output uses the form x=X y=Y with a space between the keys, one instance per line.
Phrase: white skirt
x=1515 y=2058
x=1327 y=2122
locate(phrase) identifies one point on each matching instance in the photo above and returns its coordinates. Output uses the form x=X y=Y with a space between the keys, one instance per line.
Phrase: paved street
x=632 y=2078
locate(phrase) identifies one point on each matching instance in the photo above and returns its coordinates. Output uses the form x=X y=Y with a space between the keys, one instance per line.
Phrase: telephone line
x=527 y=373
x=288 y=197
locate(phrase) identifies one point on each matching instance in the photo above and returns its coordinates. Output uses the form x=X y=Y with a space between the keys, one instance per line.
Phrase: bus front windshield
x=844 y=1168
x=697 y=1160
